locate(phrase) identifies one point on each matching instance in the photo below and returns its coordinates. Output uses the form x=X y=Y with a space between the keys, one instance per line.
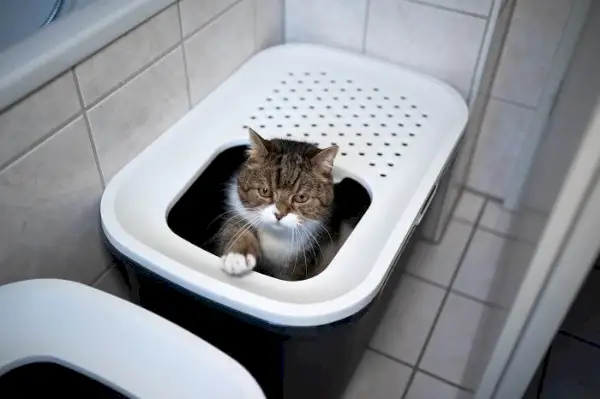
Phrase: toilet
x=98 y=345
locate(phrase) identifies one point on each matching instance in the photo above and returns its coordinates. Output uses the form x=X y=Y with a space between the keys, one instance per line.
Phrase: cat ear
x=258 y=145
x=323 y=161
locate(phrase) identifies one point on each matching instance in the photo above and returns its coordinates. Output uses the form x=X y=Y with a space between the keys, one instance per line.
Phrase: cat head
x=285 y=183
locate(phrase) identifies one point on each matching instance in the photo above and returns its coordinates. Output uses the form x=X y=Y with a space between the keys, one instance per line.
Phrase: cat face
x=284 y=184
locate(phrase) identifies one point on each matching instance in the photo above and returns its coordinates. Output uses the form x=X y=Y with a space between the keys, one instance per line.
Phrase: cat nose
x=278 y=215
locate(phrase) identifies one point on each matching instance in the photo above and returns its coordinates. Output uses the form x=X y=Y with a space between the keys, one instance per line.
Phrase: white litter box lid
x=396 y=129
x=114 y=342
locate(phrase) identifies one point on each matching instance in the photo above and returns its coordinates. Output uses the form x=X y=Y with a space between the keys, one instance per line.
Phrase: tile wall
x=60 y=145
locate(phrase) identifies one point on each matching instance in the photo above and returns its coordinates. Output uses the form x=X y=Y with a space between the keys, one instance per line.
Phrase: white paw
x=236 y=264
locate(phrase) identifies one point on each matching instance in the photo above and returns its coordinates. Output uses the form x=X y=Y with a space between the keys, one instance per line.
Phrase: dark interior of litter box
x=198 y=214
x=45 y=379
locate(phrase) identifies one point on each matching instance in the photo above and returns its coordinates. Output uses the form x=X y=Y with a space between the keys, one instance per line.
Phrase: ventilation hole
x=340 y=134
x=279 y=126
x=369 y=144
x=283 y=82
x=291 y=74
x=355 y=116
x=397 y=154
x=318 y=98
x=359 y=134
x=287 y=117
x=394 y=134
x=300 y=82
x=304 y=116
x=288 y=134
x=348 y=124
x=407 y=115
x=401 y=124
x=338 y=115
x=379 y=154
x=261 y=108
x=391 y=165
x=397 y=106
x=365 y=124
x=352 y=98
x=328 y=107
x=315 y=143
x=369 y=98
x=425 y=116
x=305 y=134
x=376 y=134
x=285 y=98
x=331 y=125
x=253 y=117
x=383 y=125
x=323 y=73
x=323 y=134
x=314 y=125
x=382 y=175
x=411 y=134
x=376 y=89
x=372 y=163
x=379 y=106
x=402 y=98
x=348 y=81
x=344 y=154
x=342 y=89
x=269 y=99
x=306 y=73
x=362 y=154
x=302 y=99
x=317 y=82
x=333 y=81
x=345 y=107
x=390 y=115
x=351 y=144
x=333 y=143
x=372 y=115
x=405 y=144
x=418 y=125
x=262 y=126
x=362 y=107
x=359 y=89
x=386 y=144
x=293 y=90
x=311 y=107
x=336 y=98
x=270 y=117
x=277 y=108
x=296 y=125
x=245 y=127
x=321 y=116
x=413 y=106
x=294 y=107
x=309 y=90
x=326 y=89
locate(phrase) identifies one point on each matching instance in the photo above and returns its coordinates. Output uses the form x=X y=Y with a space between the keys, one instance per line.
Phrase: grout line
x=102 y=274
x=185 y=63
x=89 y=129
x=439 y=312
x=214 y=17
x=390 y=357
x=483 y=194
x=478 y=300
x=364 y=38
x=134 y=75
x=578 y=338
x=513 y=102
x=506 y=236
x=425 y=280
x=454 y=384
x=33 y=146
x=444 y=8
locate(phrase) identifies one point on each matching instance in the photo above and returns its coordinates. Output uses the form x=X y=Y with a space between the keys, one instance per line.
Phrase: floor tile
x=493 y=268
x=572 y=371
x=524 y=225
x=459 y=346
x=378 y=377
x=583 y=319
x=468 y=207
x=438 y=262
x=408 y=319
x=426 y=387
x=112 y=282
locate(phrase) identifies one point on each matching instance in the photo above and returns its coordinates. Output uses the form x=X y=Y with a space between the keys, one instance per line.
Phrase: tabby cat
x=280 y=203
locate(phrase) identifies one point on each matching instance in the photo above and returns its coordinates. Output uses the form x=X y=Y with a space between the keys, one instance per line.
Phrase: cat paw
x=236 y=264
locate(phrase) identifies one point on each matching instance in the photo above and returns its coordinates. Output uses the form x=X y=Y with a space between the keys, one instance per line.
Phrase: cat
x=280 y=204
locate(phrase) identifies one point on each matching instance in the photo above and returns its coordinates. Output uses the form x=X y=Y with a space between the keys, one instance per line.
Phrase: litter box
x=397 y=130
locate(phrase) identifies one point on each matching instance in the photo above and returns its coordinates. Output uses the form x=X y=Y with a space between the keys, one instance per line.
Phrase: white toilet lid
x=110 y=340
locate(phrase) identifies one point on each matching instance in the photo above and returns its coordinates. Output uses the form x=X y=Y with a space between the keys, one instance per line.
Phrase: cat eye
x=264 y=192
x=300 y=198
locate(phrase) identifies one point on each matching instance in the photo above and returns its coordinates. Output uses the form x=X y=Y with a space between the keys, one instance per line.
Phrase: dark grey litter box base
x=288 y=362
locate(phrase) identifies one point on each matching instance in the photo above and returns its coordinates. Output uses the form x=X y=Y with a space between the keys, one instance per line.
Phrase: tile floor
x=429 y=344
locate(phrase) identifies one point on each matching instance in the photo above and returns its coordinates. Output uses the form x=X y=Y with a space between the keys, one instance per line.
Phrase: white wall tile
x=269 y=23
x=112 y=282
x=503 y=132
x=408 y=320
x=479 y=7
x=337 y=23
x=535 y=31
x=378 y=377
x=196 y=13
x=440 y=42
x=493 y=268
x=49 y=203
x=131 y=118
x=469 y=206
x=219 y=49
x=437 y=263
x=426 y=387
x=121 y=59
x=454 y=351
x=29 y=120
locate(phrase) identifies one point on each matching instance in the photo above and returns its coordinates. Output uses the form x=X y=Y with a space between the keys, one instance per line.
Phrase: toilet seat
x=112 y=341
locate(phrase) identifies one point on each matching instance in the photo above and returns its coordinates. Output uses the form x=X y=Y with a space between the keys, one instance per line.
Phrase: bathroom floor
x=432 y=342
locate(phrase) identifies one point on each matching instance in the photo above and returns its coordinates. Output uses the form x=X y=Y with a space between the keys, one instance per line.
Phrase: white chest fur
x=279 y=246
